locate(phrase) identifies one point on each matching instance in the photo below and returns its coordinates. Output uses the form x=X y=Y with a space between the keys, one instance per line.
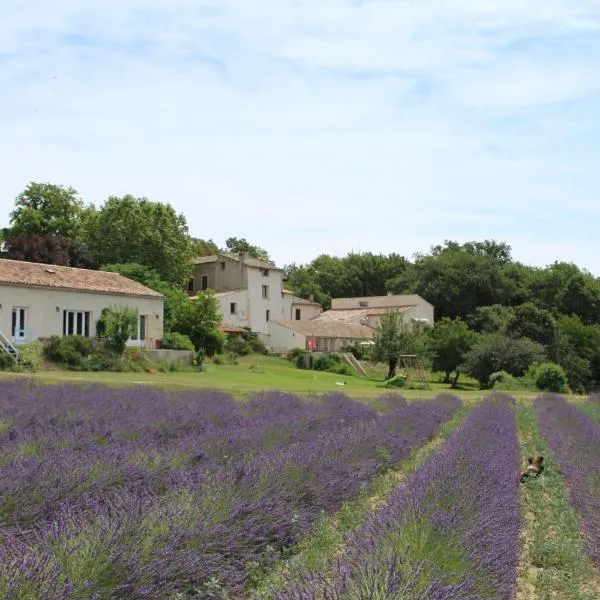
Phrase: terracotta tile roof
x=225 y=327
x=298 y=300
x=249 y=261
x=20 y=273
x=354 y=314
x=317 y=328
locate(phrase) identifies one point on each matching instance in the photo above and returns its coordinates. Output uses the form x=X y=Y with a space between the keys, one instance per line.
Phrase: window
x=265 y=272
x=233 y=308
x=76 y=322
x=204 y=282
x=18 y=323
x=298 y=313
x=140 y=334
x=265 y=292
x=363 y=304
x=268 y=315
x=191 y=285
x=222 y=265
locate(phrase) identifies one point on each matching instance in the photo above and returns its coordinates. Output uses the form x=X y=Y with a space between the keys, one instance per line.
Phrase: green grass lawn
x=254 y=374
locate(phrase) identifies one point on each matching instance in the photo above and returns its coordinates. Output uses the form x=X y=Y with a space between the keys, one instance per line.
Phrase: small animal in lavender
x=535 y=467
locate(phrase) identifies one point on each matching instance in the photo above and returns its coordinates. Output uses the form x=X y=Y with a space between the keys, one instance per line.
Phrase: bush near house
x=244 y=344
x=176 y=341
x=330 y=363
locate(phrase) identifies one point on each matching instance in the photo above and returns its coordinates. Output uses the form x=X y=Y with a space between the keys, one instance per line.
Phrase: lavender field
x=138 y=494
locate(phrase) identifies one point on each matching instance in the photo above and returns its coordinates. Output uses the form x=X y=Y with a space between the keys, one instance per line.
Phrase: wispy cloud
x=310 y=126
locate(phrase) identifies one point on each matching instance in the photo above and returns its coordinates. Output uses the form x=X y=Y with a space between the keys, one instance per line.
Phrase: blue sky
x=317 y=127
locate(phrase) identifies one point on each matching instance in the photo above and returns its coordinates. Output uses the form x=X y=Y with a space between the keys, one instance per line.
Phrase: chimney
x=311 y=298
x=390 y=294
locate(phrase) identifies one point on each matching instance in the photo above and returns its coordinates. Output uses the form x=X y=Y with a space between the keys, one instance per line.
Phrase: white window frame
x=141 y=330
x=19 y=317
x=76 y=322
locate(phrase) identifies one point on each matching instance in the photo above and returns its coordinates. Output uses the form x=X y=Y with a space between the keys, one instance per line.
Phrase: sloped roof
x=346 y=315
x=329 y=330
x=250 y=261
x=227 y=328
x=298 y=300
x=21 y=273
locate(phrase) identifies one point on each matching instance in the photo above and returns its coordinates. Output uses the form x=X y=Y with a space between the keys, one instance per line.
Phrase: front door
x=19 y=318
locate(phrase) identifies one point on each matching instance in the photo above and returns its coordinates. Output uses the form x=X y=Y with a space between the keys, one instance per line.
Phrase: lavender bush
x=450 y=532
x=139 y=494
x=575 y=442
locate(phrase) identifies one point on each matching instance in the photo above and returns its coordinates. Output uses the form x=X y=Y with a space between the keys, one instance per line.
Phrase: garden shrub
x=118 y=325
x=332 y=363
x=32 y=356
x=504 y=381
x=237 y=345
x=69 y=350
x=176 y=341
x=294 y=354
x=7 y=362
x=549 y=377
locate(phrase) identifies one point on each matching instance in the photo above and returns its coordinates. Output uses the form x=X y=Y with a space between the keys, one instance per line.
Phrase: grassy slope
x=254 y=374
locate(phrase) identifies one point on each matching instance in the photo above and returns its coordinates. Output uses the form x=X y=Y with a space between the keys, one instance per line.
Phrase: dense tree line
x=492 y=312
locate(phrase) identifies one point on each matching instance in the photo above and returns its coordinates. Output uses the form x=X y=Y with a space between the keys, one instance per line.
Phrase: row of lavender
x=138 y=494
x=574 y=439
x=450 y=532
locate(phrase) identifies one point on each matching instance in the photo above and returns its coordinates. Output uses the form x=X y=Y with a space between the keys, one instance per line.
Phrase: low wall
x=181 y=357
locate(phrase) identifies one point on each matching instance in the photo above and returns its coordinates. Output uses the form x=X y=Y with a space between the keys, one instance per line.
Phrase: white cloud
x=314 y=126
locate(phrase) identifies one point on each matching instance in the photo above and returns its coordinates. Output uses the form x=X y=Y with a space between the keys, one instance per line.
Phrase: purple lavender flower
x=575 y=442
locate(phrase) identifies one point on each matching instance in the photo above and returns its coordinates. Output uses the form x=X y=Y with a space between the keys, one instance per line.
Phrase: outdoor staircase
x=7 y=347
x=351 y=360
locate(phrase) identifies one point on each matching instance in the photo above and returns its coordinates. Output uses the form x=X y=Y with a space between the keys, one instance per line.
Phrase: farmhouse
x=38 y=301
x=350 y=320
x=250 y=292
x=414 y=310
x=316 y=335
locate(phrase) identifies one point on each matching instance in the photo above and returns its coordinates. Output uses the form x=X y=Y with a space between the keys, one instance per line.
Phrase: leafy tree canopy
x=48 y=249
x=448 y=342
x=152 y=234
x=236 y=245
x=495 y=352
x=45 y=209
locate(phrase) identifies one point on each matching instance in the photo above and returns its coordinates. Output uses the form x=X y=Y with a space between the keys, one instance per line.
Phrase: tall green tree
x=236 y=245
x=45 y=209
x=449 y=341
x=176 y=302
x=48 y=249
x=302 y=281
x=457 y=279
x=566 y=289
x=204 y=247
x=394 y=337
x=200 y=321
x=152 y=234
x=537 y=324
x=490 y=319
x=495 y=352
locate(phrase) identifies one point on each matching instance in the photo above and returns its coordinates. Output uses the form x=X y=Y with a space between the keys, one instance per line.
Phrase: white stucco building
x=250 y=292
x=415 y=311
x=39 y=301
